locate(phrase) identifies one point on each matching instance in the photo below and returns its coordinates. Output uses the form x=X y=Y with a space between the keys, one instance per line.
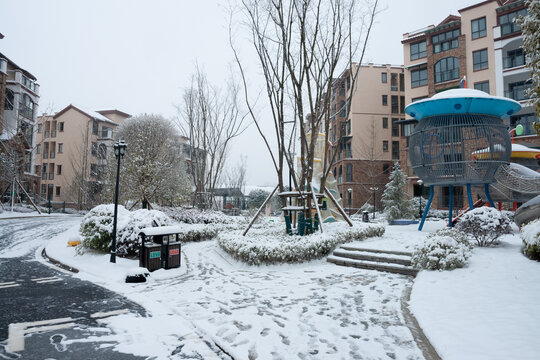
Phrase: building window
x=419 y=78
x=58 y=191
x=386 y=168
x=60 y=148
x=514 y=58
x=518 y=90
x=61 y=126
x=342 y=109
x=395 y=150
x=418 y=98
x=394 y=82
x=445 y=41
x=395 y=104
x=526 y=120
x=348 y=151
x=401 y=82
x=39 y=128
x=482 y=86
x=38 y=149
x=478 y=28
x=102 y=151
x=446 y=69
x=385 y=100
x=94 y=149
x=384 y=77
x=395 y=127
x=418 y=50
x=480 y=59
x=43 y=190
x=340 y=175
x=385 y=146
x=385 y=123
x=106 y=132
x=348 y=173
x=95 y=127
x=508 y=26
x=93 y=170
x=402 y=104
x=44 y=172
x=59 y=169
x=26 y=107
x=9 y=100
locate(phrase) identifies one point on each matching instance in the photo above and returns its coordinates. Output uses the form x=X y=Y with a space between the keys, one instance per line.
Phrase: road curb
x=58 y=263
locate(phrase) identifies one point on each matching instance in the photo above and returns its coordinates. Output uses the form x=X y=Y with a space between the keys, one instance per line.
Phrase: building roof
x=26 y=72
x=228 y=192
x=114 y=111
x=92 y=114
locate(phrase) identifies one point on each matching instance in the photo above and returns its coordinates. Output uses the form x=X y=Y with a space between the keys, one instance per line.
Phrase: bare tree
x=80 y=187
x=211 y=119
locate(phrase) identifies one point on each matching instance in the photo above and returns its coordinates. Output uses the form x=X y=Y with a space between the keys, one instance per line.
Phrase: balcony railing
x=27 y=112
x=518 y=93
x=513 y=61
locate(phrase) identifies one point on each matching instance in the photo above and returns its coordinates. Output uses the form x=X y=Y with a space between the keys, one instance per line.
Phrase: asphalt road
x=50 y=312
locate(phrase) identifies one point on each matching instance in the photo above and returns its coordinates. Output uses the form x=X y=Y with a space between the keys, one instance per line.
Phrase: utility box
x=165 y=247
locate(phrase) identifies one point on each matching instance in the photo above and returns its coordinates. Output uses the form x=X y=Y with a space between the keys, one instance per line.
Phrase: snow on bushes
x=97 y=226
x=445 y=249
x=270 y=244
x=485 y=225
x=530 y=234
x=196 y=216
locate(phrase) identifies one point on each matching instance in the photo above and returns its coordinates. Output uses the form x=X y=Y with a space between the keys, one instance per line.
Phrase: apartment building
x=71 y=153
x=367 y=141
x=482 y=44
x=19 y=98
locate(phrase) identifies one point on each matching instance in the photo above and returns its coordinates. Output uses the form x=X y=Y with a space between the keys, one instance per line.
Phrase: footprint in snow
x=57 y=340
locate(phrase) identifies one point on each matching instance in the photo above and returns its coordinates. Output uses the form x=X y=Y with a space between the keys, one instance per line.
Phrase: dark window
x=102 y=151
x=514 y=58
x=58 y=191
x=95 y=127
x=402 y=82
x=482 y=86
x=418 y=50
x=402 y=104
x=385 y=146
x=340 y=175
x=9 y=100
x=446 y=69
x=348 y=83
x=445 y=41
x=395 y=104
x=419 y=78
x=480 y=59
x=385 y=123
x=348 y=173
x=526 y=120
x=39 y=128
x=26 y=107
x=518 y=90
x=386 y=168
x=384 y=77
x=43 y=190
x=50 y=188
x=59 y=169
x=60 y=148
x=342 y=109
x=94 y=149
x=395 y=127
x=385 y=100
x=395 y=150
x=508 y=25
x=61 y=126
x=93 y=170
x=348 y=151
x=106 y=132
x=38 y=149
x=394 y=82
x=444 y=197
x=478 y=28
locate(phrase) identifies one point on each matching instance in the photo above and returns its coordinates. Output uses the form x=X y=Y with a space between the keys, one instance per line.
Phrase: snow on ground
x=323 y=311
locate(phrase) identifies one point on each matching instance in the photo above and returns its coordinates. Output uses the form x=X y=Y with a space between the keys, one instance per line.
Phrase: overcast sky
x=138 y=55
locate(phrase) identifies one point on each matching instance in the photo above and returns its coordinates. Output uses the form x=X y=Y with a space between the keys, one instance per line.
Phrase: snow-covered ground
x=323 y=311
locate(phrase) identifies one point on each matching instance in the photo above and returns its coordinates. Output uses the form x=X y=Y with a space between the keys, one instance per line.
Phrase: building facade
x=71 y=153
x=366 y=139
x=483 y=46
x=19 y=99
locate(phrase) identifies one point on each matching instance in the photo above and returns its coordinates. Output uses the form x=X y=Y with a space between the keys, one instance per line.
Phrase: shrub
x=196 y=216
x=199 y=234
x=485 y=225
x=530 y=234
x=97 y=226
x=445 y=249
x=270 y=245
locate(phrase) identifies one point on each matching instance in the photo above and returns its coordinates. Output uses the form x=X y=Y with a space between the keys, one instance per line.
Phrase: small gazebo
x=455 y=127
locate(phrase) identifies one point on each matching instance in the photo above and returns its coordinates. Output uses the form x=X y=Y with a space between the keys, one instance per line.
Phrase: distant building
x=482 y=45
x=19 y=98
x=71 y=153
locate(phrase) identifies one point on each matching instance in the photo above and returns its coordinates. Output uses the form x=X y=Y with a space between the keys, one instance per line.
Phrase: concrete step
x=372 y=256
x=373 y=265
x=393 y=252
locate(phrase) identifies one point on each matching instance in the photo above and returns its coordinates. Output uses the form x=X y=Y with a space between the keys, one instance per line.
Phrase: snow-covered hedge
x=97 y=226
x=445 y=249
x=485 y=225
x=199 y=233
x=270 y=244
x=196 y=216
x=530 y=234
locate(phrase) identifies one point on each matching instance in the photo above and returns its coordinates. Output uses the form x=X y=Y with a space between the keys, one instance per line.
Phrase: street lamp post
x=421 y=183
x=374 y=190
x=119 y=151
x=349 y=190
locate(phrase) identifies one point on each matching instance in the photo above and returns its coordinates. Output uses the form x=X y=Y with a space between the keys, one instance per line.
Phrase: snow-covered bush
x=530 y=234
x=97 y=226
x=127 y=243
x=199 y=233
x=485 y=225
x=445 y=249
x=270 y=244
x=196 y=216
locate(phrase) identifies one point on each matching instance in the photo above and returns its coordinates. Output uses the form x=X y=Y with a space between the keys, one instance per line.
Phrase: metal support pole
x=490 y=200
x=469 y=197
x=428 y=205
x=113 y=244
x=450 y=205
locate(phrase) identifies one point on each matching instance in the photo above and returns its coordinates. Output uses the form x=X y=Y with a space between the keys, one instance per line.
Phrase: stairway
x=398 y=262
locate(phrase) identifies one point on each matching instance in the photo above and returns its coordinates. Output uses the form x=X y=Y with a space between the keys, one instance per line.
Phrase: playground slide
x=528 y=211
x=518 y=178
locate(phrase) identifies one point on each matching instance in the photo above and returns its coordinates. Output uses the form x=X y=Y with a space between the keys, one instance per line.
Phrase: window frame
x=420 y=82
x=482 y=65
x=384 y=77
x=478 y=86
x=437 y=74
x=418 y=54
x=480 y=33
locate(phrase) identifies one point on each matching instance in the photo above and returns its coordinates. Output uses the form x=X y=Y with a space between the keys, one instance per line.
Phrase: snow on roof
x=250 y=188
x=163 y=230
x=94 y=114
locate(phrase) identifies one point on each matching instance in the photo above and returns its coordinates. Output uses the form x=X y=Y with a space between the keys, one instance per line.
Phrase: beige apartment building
x=483 y=45
x=368 y=139
x=71 y=153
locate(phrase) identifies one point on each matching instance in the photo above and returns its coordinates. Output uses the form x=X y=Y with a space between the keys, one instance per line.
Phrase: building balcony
x=513 y=61
x=518 y=93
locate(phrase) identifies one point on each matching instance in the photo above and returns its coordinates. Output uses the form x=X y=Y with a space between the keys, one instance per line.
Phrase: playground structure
x=460 y=140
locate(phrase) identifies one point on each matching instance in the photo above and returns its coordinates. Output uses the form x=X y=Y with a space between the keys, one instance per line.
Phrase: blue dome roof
x=463 y=101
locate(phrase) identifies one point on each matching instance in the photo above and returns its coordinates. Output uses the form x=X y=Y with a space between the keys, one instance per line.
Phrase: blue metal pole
x=450 y=205
x=431 y=193
x=490 y=200
x=469 y=197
